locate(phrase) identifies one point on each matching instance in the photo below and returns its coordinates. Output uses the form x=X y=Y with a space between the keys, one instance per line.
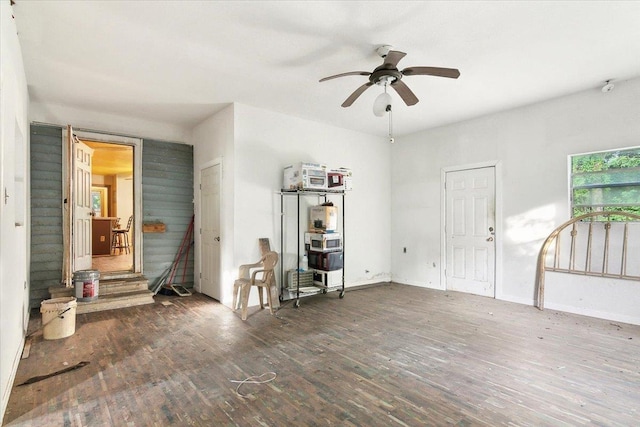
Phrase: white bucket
x=86 y=283
x=58 y=317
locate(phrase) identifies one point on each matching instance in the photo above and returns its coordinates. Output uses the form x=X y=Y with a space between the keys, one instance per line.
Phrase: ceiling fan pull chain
x=391 y=139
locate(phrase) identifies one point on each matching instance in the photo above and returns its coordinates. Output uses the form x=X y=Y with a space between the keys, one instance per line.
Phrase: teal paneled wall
x=167 y=197
x=46 y=211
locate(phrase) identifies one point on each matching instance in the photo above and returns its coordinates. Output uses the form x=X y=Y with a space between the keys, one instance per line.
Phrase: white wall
x=81 y=118
x=213 y=142
x=262 y=143
x=14 y=217
x=531 y=145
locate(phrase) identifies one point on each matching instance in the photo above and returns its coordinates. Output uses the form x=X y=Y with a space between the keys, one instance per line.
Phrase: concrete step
x=112 y=294
x=115 y=286
x=115 y=301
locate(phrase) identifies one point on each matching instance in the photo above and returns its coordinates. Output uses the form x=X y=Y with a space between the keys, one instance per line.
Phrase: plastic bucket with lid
x=86 y=283
x=58 y=317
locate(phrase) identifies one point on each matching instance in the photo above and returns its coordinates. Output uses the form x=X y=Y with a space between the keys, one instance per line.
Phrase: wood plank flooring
x=389 y=355
x=107 y=263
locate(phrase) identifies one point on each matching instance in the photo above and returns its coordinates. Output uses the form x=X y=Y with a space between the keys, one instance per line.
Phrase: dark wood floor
x=389 y=355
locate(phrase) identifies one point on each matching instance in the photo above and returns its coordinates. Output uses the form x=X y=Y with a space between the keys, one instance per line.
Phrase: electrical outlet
x=404 y=250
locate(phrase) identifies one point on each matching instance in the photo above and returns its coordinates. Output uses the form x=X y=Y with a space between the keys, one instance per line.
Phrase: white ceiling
x=179 y=61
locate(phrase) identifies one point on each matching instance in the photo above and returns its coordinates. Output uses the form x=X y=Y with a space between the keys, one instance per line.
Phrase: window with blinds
x=606 y=181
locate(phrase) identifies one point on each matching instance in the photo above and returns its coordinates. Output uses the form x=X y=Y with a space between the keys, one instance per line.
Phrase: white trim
x=106 y=137
x=136 y=143
x=66 y=204
x=417 y=284
x=634 y=320
x=479 y=165
x=216 y=161
x=198 y=225
x=569 y=173
x=497 y=166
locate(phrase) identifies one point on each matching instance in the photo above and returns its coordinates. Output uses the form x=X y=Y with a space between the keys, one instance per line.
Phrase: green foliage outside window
x=606 y=181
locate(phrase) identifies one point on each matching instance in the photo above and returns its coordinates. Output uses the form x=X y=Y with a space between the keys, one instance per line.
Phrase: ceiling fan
x=388 y=74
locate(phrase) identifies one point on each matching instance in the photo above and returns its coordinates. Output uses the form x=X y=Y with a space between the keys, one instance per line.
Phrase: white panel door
x=210 y=180
x=470 y=230
x=82 y=207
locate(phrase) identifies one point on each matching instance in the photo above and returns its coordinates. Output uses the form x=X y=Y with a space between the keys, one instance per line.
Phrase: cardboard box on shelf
x=305 y=176
x=323 y=219
x=340 y=179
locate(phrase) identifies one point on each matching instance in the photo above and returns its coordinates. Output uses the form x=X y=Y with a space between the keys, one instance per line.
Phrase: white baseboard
x=418 y=284
x=633 y=320
x=518 y=300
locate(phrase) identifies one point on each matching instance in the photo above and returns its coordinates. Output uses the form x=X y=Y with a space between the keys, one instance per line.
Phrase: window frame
x=599 y=207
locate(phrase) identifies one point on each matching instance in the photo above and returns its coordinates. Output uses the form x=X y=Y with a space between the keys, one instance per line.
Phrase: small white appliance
x=305 y=176
x=329 y=279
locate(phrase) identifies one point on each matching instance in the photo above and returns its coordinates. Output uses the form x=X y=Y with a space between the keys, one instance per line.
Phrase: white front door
x=210 y=180
x=82 y=207
x=470 y=231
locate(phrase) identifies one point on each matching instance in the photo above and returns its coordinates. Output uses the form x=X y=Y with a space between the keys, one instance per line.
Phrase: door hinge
x=200 y=275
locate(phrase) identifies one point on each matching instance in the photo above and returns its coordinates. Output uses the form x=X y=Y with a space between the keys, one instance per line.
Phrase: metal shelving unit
x=287 y=294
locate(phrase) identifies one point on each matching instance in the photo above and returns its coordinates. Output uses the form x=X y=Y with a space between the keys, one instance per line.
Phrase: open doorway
x=103 y=207
x=112 y=237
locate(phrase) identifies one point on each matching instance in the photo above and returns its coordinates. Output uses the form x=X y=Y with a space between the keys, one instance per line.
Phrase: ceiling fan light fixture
x=608 y=87
x=382 y=104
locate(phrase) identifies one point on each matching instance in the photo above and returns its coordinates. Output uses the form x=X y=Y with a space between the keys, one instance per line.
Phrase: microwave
x=327 y=261
x=305 y=176
x=323 y=242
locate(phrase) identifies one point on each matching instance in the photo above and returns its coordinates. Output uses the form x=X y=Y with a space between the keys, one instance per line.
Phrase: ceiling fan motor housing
x=381 y=76
x=388 y=74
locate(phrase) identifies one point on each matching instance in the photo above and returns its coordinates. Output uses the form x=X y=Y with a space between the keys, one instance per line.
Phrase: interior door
x=82 y=209
x=470 y=231
x=210 y=180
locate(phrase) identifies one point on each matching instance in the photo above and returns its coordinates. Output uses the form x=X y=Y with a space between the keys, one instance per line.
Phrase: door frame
x=497 y=166
x=198 y=223
x=67 y=178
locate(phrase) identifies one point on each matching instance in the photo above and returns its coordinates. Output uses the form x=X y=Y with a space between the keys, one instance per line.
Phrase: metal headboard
x=596 y=263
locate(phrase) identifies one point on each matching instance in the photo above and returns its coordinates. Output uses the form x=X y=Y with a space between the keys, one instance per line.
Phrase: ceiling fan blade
x=356 y=94
x=350 y=73
x=451 y=73
x=405 y=93
x=392 y=58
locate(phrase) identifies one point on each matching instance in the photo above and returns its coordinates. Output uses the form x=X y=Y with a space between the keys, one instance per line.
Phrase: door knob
x=217 y=239
x=490 y=239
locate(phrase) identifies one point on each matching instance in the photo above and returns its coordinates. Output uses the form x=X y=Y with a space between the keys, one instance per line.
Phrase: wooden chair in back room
x=120 y=238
